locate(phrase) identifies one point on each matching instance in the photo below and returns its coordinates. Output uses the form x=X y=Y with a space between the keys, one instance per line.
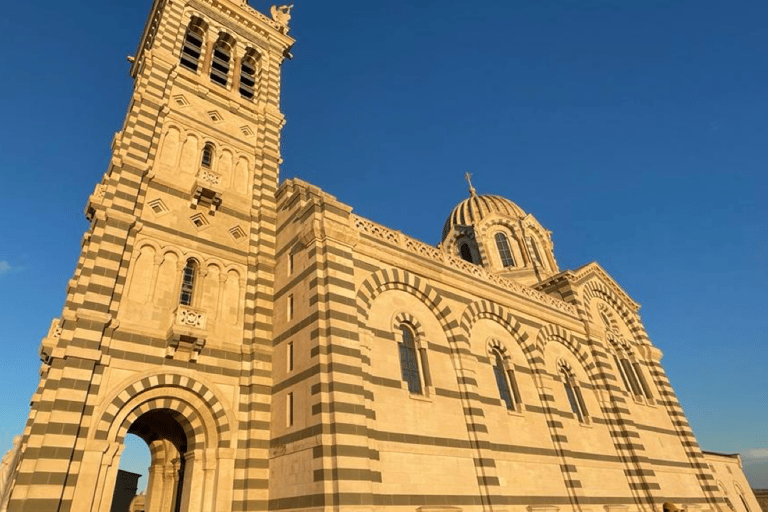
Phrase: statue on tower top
x=281 y=15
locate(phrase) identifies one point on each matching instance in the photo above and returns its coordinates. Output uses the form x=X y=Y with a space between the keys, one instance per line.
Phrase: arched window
x=505 y=253
x=193 y=44
x=206 y=160
x=248 y=71
x=741 y=496
x=409 y=360
x=605 y=320
x=466 y=253
x=728 y=501
x=505 y=381
x=641 y=378
x=188 y=276
x=631 y=372
x=222 y=54
x=573 y=392
x=620 y=369
x=744 y=502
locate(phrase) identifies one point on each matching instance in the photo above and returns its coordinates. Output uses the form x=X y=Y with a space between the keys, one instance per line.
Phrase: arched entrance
x=188 y=433
x=168 y=443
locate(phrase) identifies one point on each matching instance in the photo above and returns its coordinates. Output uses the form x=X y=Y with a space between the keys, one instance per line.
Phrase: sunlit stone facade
x=278 y=352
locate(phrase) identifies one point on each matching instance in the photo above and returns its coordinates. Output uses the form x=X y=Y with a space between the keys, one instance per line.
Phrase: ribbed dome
x=475 y=208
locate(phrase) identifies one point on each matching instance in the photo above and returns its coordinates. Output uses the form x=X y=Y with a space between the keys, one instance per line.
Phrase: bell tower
x=166 y=332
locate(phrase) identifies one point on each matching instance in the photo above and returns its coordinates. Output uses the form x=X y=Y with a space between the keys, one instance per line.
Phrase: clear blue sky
x=635 y=130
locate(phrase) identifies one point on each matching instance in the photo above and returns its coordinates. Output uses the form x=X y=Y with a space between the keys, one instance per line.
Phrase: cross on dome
x=468 y=177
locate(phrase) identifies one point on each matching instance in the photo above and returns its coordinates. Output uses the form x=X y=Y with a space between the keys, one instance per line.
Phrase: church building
x=278 y=352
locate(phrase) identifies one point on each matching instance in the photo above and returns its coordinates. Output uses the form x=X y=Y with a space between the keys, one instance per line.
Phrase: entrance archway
x=187 y=429
x=168 y=443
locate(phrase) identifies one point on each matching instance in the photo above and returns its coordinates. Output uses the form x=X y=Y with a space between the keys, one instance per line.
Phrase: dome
x=477 y=207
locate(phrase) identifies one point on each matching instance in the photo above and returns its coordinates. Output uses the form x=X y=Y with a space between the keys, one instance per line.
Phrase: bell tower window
x=222 y=55
x=248 y=72
x=193 y=45
x=188 y=283
x=505 y=253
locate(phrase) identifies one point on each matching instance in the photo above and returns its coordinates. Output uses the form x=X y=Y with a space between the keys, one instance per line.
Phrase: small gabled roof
x=593 y=270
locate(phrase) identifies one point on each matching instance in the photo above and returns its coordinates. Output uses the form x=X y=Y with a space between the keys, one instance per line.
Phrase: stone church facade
x=278 y=352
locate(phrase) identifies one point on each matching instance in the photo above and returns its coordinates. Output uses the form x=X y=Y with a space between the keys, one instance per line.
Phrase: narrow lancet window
x=289 y=409
x=643 y=382
x=620 y=369
x=505 y=253
x=534 y=251
x=409 y=362
x=744 y=502
x=634 y=387
x=207 y=159
x=503 y=381
x=573 y=392
x=188 y=283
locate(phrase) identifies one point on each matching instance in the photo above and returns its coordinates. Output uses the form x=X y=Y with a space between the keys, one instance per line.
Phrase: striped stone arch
x=398 y=279
x=182 y=412
x=185 y=396
x=493 y=223
x=486 y=309
x=407 y=318
x=596 y=289
x=556 y=333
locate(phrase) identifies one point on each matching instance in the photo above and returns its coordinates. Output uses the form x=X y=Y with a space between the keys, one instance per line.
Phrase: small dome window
x=466 y=252
x=505 y=253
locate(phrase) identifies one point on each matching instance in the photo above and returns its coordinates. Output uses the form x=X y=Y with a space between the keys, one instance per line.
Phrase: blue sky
x=636 y=131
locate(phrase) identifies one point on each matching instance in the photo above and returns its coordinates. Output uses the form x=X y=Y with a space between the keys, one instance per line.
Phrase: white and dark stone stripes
x=399 y=279
x=167 y=382
x=686 y=436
